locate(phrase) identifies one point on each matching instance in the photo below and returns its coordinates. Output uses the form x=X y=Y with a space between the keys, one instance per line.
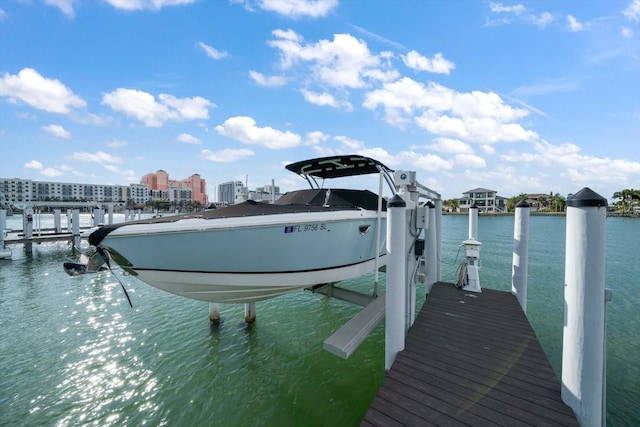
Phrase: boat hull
x=249 y=259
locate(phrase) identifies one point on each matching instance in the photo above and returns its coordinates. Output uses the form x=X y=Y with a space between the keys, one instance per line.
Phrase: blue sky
x=529 y=96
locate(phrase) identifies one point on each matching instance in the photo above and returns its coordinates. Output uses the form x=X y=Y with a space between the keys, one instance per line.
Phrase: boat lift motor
x=472 y=254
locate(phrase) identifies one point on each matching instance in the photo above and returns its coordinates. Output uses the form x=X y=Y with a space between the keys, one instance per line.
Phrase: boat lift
x=417 y=261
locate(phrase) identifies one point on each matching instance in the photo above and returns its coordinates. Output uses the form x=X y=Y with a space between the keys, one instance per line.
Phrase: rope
x=462 y=275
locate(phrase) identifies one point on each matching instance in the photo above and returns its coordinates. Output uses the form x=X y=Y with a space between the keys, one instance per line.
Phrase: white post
x=4 y=252
x=249 y=312
x=27 y=222
x=431 y=249
x=3 y=226
x=520 y=264
x=396 y=279
x=110 y=214
x=97 y=213
x=473 y=223
x=75 y=227
x=439 y=236
x=139 y=214
x=57 y=223
x=376 y=273
x=68 y=220
x=583 y=345
x=214 y=312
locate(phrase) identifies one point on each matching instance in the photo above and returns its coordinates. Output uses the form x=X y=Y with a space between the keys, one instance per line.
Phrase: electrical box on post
x=404 y=177
x=422 y=217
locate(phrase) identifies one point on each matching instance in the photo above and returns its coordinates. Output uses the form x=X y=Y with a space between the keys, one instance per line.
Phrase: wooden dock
x=471 y=359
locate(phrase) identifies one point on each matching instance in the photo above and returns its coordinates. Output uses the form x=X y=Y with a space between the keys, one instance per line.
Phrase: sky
x=512 y=96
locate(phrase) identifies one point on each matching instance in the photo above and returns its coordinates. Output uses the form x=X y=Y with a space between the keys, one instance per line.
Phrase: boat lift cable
x=105 y=257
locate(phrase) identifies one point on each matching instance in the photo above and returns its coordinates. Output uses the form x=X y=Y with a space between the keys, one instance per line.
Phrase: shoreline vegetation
x=625 y=203
x=609 y=214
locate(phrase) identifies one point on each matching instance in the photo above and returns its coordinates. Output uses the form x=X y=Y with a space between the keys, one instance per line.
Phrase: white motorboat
x=255 y=250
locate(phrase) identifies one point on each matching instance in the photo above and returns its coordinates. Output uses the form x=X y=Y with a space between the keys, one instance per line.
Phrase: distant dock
x=471 y=359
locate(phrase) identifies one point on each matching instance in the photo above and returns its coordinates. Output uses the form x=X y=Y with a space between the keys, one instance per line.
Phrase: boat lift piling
x=5 y=253
x=585 y=298
x=406 y=265
x=431 y=243
x=57 y=222
x=520 y=265
x=75 y=227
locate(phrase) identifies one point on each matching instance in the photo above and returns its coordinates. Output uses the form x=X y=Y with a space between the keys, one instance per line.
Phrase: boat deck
x=471 y=359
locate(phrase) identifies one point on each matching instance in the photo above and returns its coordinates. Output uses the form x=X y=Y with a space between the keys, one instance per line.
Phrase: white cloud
x=38 y=92
x=299 y=8
x=325 y=99
x=127 y=173
x=542 y=21
x=188 y=139
x=379 y=38
x=116 y=144
x=144 y=107
x=626 y=32
x=577 y=167
x=99 y=157
x=428 y=162
x=480 y=117
x=632 y=12
x=244 y=129
x=226 y=155
x=212 y=52
x=58 y=131
x=500 y=8
x=315 y=137
x=33 y=164
x=341 y=62
x=146 y=4
x=470 y=161
x=574 y=25
x=51 y=172
x=66 y=6
x=436 y=65
x=448 y=145
x=270 y=81
x=3 y=14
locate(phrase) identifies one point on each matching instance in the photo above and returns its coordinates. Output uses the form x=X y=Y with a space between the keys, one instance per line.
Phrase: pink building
x=160 y=181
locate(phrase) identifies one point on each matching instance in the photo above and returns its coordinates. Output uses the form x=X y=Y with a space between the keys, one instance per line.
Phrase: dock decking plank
x=470 y=359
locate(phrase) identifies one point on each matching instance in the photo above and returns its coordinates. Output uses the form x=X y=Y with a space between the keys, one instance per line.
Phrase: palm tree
x=626 y=196
x=513 y=201
x=452 y=205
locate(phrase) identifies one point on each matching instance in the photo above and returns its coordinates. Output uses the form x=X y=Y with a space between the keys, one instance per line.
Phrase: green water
x=72 y=352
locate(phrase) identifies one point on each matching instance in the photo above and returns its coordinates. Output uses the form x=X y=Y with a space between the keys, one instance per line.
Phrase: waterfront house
x=486 y=200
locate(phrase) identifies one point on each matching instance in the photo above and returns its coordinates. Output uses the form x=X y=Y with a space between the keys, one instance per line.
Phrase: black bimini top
x=337 y=166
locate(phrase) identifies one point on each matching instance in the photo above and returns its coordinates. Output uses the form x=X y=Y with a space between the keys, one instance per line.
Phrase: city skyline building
x=175 y=190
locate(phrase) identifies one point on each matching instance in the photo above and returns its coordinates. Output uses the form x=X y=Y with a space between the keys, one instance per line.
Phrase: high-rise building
x=229 y=191
x=159 y=181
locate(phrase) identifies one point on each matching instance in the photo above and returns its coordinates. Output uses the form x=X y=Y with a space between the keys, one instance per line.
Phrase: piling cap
x=523 y=204
x=430 y=204
x=586 y=197
x=396 y=202
x=474 y=206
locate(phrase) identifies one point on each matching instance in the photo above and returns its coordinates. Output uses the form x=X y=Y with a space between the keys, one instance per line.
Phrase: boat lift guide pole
x=376 y=279
x=432 y=249
x=473 y=222
x=520 y=265
x=396 y=279
x=75 y=227
x=583 y=370
x=3 y=226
